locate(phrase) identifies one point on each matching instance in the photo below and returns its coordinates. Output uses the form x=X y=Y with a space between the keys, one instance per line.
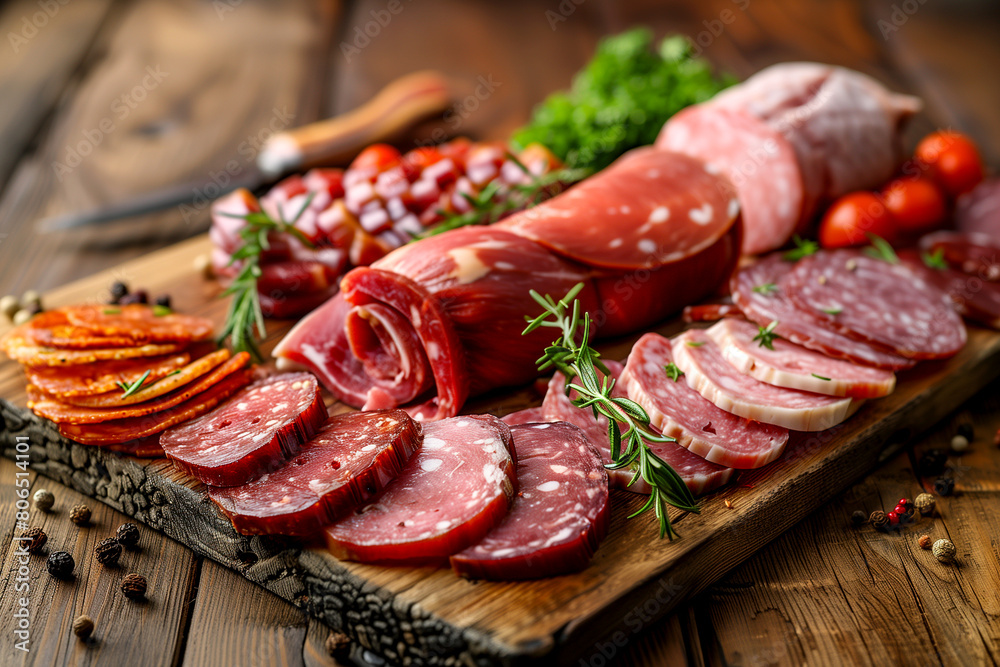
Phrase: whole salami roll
x=437 y=321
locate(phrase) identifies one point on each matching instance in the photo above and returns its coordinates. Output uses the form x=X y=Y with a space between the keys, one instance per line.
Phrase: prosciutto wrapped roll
x=439 y=320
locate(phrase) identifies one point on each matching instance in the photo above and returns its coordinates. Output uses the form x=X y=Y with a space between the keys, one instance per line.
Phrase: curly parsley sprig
x=245 y=313
x=572 y=355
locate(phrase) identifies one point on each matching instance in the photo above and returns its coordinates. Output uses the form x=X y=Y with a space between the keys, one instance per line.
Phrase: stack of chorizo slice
x=116 y=376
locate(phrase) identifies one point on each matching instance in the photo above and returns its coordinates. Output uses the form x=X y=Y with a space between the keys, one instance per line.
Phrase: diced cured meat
x=973 y=253
x=421 y=327
x=759 y=292
x=350 y=459
x=758 y=160
x=873 y=300
x=699 y=475
x=456 y=489
x=526 y=416
x=560 y=514
x=978 y=211
x=153 y=389
x=785 y=364
x=123 y=430
x=94 y=379
x=64 y=413
x=649 y=208
x=970 y=296
x=19 y=349
x=140 y=323
x=845 y=126
x=252 y=433
x=679 y=411
x=707 y=372
x=710 y=312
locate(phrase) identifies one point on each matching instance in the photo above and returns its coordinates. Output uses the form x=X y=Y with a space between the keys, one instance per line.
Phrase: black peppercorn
x=128 y=535
x=163 y=301
x=858 y=518
x=60 y=564
x=966 y=431
x=932 y=463
x=944 y=486
x=118 y=290
x=37 y=538
x=80 y=515
x=108 y=552
x=134 y=586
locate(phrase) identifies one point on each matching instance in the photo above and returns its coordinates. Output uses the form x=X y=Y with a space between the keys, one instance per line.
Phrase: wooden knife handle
x=337 y=140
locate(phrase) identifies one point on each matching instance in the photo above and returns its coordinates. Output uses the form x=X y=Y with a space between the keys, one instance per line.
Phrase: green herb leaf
x=820 y=377
x=173 y=373
x=160 y=311
x=803 y=248
x=695 y=343
x=629 y=432
x=832 y=311
x=935 y=261
x=130 y=389
x=112 y=311
x=765 y=335
x=673 y=372
x=766 y=289
x=881 y=249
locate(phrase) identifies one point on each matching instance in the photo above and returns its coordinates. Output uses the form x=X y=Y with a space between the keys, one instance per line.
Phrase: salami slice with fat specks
x=650 y=207
x=252 y=433
x=874 y=300
x=457 y=488
x=699 y=475
x=973 y=253
x=526 y=416
x=560 y=514
x=785 y=364
x=351 y=458
x=758 y=160
x=759 y=292
x=970 y=296
x=707 y=372
x=679 y=411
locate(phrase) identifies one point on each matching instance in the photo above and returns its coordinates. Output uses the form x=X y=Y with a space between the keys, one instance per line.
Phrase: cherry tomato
x=379 y=156
x=953 y=161
x=917 y=204
x=852 y=217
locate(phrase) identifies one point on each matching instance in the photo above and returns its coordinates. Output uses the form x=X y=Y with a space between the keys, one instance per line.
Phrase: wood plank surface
x=633 y=580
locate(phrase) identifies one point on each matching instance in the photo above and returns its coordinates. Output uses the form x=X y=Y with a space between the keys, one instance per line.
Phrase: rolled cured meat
x=440 y=319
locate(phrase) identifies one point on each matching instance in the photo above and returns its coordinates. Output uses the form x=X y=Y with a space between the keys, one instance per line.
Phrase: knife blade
x=334 y=141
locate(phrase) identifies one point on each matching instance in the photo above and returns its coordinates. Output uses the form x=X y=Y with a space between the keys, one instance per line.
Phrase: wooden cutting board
x=427 y=615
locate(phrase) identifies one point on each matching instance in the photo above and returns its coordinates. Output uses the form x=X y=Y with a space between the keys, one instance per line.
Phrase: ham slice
x=791 y=366
x=456 y=489
x=699 y=426
x=707 y=372
x=560 y=514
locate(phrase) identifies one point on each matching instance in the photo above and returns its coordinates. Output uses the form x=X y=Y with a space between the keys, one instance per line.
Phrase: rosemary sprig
x=934 y=261
x=881 y=249
x=244 y=310
x=765 y=335
x=803 y=248
x=766 y=289
x=497 y=199
x=571 y=354
x=130 y=389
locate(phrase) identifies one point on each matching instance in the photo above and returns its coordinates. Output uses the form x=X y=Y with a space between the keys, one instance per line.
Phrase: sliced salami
x=64 y=413
x=560 y=514
x=759 y=161
x=785 y=364
x=873 y=300
x=19 y=349
x=970 y=296
x=979 y=210
x=759 y=292
x=140 y=323
x=972 y=253
x=457 y=488
x=699 y=475
x=95 y=379
x=679 y=411
x=350 y=459
x=131 y=428
x=707 y=372
x=526 y=416
x=252 y=433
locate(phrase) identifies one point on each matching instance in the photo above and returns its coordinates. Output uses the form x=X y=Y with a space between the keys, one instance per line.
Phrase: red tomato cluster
x=945 y=165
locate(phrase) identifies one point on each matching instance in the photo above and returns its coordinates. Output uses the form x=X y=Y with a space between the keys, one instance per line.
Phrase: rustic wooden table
x=101 y=99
